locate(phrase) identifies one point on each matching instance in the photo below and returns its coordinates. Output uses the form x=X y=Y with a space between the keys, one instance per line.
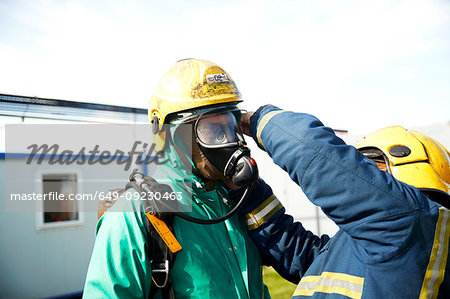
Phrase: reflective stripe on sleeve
x=438 y=259
x=263 y=212
x=331 y=283
x=263 y=123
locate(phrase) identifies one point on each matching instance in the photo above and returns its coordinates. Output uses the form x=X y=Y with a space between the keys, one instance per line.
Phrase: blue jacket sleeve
x=376 y=210
x=284 y=244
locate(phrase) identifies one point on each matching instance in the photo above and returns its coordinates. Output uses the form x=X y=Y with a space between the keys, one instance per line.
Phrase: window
x=59 y=206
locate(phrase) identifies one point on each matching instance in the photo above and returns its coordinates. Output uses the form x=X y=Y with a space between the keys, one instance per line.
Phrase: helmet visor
x=218 y=130
x=378 y=157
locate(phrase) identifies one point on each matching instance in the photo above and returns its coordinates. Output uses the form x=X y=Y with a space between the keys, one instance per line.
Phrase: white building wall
x=42 y=263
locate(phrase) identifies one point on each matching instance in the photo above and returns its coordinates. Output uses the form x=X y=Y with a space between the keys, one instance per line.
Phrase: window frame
x=41 y=225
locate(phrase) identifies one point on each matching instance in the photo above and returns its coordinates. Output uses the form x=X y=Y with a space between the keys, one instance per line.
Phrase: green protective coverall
x=217 y=260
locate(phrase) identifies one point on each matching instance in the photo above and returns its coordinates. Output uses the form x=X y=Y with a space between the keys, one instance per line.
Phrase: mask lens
x=219 y=129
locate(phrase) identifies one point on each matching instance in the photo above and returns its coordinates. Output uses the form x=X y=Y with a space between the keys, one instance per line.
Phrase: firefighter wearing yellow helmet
x=200 y=93
x=393 y=237
x=193 y=110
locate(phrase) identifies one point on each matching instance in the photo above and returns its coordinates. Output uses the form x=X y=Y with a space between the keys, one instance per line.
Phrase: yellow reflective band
x=263 y=212
x=435 y=272
x=331 y=283
x=263 y=123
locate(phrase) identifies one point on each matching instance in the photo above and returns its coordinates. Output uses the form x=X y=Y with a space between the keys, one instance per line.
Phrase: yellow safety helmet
x=411 y=157
x=189 y=84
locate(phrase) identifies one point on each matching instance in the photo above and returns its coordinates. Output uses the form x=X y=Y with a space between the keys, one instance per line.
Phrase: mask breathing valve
x=241 y=168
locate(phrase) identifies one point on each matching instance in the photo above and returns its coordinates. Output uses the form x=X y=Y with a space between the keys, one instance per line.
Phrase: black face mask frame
x=231 y=158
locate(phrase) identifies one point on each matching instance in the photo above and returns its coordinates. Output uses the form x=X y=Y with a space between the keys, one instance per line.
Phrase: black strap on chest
x=161 y=258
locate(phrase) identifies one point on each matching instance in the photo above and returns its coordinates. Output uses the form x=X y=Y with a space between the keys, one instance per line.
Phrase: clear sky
x=357 y=65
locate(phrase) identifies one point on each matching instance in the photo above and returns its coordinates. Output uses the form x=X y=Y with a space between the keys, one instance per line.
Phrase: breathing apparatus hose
x=221 y=218
x=138 y=183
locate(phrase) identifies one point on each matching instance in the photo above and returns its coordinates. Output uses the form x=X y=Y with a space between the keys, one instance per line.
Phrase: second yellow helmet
x=411 y=157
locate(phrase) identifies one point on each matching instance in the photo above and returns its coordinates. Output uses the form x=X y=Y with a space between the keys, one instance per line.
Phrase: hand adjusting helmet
x=413 y=158
x=200 y=93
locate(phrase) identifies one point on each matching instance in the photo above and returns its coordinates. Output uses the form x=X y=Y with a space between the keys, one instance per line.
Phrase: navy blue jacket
x=392 y=240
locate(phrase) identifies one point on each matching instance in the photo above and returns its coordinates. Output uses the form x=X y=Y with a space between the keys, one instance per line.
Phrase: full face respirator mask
x=219 y=140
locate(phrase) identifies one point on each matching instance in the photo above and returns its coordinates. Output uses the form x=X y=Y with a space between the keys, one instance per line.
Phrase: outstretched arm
x=375 y=209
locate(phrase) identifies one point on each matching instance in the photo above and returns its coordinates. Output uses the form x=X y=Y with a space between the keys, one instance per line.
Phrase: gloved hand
x=245 y=123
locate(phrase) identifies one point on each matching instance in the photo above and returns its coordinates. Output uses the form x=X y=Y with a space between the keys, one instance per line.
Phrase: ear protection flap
x=155 y=124
x=159 y=133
